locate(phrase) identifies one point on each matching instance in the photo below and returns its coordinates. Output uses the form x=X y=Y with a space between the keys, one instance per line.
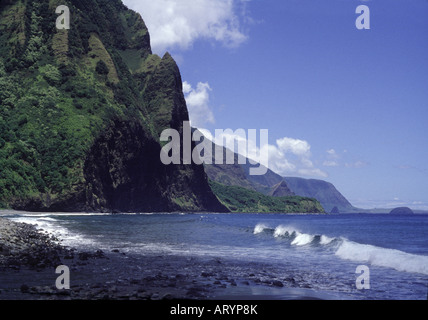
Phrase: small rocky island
x=402 y=211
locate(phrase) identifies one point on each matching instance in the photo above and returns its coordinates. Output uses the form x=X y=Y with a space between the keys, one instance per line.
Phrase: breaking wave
x=383 y=257
x=47 y=223
x=296 y=237
x=260 y=228
x=350 y=250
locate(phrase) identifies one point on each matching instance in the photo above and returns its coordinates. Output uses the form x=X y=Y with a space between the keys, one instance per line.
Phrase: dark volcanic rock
x=277 y=283
x=23 y=246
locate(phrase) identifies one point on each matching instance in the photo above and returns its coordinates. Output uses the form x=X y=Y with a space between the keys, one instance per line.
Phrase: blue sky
x=345 y=105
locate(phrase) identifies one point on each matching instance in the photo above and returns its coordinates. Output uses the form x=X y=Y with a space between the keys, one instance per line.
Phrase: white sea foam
x=353 y=251
x=296 y=237
x=260 y=228
x=284 y=231
x=52 y=226
x=383 y=257
x=326 y=240
x=302 y=239
x=11 y=213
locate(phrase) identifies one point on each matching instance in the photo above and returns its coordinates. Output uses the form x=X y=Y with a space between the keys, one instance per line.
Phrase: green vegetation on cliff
x=81 y=111
x=241 y=200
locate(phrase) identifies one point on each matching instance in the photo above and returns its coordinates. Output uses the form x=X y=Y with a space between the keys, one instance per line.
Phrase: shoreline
x=116 y=275
x=6 y=212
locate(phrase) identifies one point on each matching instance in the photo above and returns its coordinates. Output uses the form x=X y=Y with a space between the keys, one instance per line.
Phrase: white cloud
x=295 y=146
x=335 y=159
x=332 y=159
x=293 y=156
x=179 y=23
x=286 y=157
x=197 y=100
x=332 y=152
x=330 y=163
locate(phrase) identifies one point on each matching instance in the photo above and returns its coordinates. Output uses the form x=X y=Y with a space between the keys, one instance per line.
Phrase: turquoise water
x=324 y=251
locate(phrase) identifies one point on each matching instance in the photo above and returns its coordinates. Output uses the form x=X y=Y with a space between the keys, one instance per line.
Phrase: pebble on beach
x=22 y=245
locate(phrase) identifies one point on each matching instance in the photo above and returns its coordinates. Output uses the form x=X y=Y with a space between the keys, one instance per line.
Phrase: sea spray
x=284 y=231
x=48 y=223
x=302 y=239
x=260 y=228
x=383 y=257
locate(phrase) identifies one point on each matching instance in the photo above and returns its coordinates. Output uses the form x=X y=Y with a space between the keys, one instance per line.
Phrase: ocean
x=323 y=253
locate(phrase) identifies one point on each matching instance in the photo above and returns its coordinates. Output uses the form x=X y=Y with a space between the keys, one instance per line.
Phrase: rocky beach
x=29 y=258
x=21 y=245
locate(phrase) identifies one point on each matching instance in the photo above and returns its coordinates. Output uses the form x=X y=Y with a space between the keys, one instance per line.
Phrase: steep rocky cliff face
x=323 y=191
x=274 y=185
x=81 y=112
